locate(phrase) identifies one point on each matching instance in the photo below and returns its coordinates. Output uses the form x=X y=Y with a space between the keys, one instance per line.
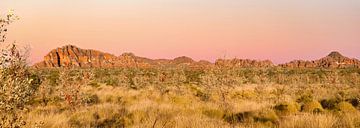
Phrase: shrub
x=287 y=108
x=193 y=76
x=329 y=103
x=345 y=107
x=17 y=86
x=70 y=89
x=53 y=78
x=313 y=106
x=354 y=101
x=112 y=81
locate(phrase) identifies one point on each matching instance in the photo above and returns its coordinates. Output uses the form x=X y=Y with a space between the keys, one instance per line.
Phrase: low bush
x=287 y=108
x=354 y=101
x=267 y=116
x=312 y=106
x=329 y=104
x=345 y=107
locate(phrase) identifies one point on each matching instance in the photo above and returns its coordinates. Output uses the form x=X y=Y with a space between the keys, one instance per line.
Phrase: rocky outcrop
x=72 y=56
x=244 y=63
x=333 y=60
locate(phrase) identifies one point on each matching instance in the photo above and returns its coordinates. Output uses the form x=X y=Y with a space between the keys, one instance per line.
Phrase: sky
x=279 y=30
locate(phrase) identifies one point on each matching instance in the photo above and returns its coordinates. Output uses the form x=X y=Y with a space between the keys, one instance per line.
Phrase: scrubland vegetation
x=186 y=97
x=179 y=96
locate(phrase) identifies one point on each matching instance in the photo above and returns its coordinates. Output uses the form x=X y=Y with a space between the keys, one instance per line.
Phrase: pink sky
x=279 y=30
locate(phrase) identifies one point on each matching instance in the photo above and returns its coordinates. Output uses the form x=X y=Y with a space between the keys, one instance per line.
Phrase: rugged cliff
x=72 y=56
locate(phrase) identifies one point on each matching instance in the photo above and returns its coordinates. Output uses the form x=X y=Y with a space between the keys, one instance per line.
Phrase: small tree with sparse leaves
x=17 y=83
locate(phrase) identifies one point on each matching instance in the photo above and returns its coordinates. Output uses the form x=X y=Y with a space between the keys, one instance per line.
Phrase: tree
x=17 y=83
x=4 y=22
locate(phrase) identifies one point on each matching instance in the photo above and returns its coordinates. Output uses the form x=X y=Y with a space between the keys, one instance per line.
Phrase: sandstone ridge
x=333 y=60
x=70 y=56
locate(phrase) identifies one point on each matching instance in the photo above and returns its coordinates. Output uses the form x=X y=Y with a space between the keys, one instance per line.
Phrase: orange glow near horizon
x=279 y=30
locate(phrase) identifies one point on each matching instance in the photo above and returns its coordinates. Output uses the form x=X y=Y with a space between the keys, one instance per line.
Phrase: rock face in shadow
x=333 y=60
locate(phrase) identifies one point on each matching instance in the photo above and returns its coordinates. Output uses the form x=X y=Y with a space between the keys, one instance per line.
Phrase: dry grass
x=193 y=104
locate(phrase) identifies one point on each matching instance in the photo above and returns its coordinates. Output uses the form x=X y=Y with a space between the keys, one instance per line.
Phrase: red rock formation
x=71 y=56
x=333 y=60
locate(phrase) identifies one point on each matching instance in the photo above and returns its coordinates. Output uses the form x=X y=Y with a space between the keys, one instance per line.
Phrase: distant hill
x=72 y=56
x=333 y=60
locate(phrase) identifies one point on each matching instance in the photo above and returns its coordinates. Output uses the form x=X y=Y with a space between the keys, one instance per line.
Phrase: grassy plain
x=201 y=97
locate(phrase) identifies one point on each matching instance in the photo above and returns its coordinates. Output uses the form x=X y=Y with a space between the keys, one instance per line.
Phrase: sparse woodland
x=175 y=96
